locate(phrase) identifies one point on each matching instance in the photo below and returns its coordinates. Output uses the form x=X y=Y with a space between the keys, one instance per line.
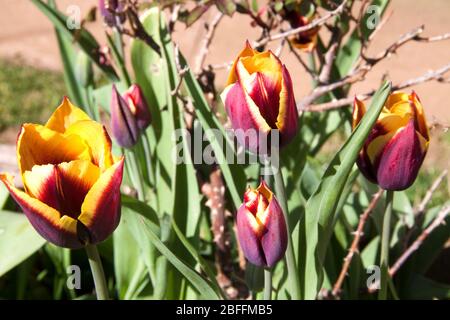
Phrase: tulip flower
x=71 y=180
x=129 y=115
x=110 y=10
x=395 y=149
x=261 y=227
x=259 y=97
x=306 y=40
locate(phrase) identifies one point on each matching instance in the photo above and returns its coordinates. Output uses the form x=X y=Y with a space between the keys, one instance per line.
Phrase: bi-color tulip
x=261 y=227
x=71 y=180
x=259 y=97
x=306 y=40
x=130 y=115
x=396 y=147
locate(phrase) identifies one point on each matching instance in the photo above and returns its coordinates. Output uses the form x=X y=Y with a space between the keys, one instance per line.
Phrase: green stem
x=385 y=239
x=267 y=284
x=290 y=256
x=148 y=159
x=136 y=175
x=97 y=272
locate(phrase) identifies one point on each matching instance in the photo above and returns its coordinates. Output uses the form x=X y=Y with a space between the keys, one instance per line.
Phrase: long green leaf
x=18 y=240
x=203 y=287
x=83 y=37
x=316 y=227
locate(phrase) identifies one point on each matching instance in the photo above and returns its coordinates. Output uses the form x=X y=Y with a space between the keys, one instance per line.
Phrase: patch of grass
x=27 y=94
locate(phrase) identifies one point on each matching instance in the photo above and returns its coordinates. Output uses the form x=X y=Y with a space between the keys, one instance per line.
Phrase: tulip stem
x=290 y=256
x=267 y=284
x=148 y=159
x=98 y=274
x=136 y=176
x=385 y=239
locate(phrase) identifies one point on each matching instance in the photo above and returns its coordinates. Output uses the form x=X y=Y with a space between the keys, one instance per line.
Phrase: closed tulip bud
x=261 y=227
x=110 y=10
x=71 y=180
x=138 y=106
x=123 y=122
x=259 y=97
x=395 y=149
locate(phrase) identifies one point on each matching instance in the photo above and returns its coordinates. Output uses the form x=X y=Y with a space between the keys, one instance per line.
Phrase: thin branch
x=426 y=199
x=440 y=219
x=441 y=37
x=315 y=23
x=181 y=72
x=354 y=246
x=204 y=49
x=429 y=76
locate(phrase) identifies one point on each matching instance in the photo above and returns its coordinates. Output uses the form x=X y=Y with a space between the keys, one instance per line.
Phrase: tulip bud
x=306 y=40
x=138 y=106
x=397 y=145
x=123 y=123
x=261 y=227
x=259 y=97
x=110 y=10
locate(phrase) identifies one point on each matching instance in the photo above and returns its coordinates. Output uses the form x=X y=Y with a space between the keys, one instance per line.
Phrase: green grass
x=27 y=94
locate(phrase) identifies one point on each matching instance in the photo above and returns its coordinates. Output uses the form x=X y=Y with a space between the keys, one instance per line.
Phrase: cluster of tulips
x=72 y=181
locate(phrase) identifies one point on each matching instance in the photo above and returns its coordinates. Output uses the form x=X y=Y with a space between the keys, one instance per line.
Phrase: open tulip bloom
x=395 y=149
x=259 y=98
x=261 y=227
x=71 y=180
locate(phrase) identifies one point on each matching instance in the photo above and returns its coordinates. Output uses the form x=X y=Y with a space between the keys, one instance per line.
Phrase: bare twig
x=204 y=48
x=429 y=76
x=440 y=218
x=181 y=72
x=426 y=199
x=441 y=37
x=354 y=246
x=315 y=23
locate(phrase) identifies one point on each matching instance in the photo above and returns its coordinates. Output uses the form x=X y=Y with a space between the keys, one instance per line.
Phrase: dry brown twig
x=315 y=23
x=204 y=48
x=440 y=219
x=426 y=199
x=335 y=104
x=354 y=246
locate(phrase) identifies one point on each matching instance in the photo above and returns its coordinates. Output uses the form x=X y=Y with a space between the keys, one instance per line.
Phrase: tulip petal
x=98 y=140
x=64 y=186
x=395 y=98
x=359 y=109
x=246 y=52
x=63 y=231
x=38 y=145
x=401 y=159
x=123 y=122
x=287 y=120
x=138 y=106
x=65 y=115
x=419 y=115
x=100 y=212
x=266 y=95
x=245 y=115
x=248 y=230
x=274 y=237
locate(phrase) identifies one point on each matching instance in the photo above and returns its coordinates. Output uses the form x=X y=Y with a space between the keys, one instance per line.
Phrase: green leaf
x=227 y=7
x=203 y=287
x=424 y=288
x=233 y=174
x=80 y=35
x=321 y=207
x=18 y=240
x=129 y=268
